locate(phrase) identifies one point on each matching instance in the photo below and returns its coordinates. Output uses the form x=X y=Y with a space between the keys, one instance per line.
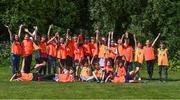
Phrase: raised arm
x=112 y=35
x=135 y=41
x=9 y=31
x=49 y=31
x=156 y=39
x=27 y=31
x=53 y=37
x=20 y=29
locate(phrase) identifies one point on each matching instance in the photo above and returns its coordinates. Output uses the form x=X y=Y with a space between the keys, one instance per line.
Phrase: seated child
x=98 y=73
x=108 y=71
x=86 y=73
x=66 y=76
x=121 y=72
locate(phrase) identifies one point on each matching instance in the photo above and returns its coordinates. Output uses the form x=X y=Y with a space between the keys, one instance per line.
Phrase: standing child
x=163 y=61
x=15 y=50
x=78 y=56
x=61 y=54
x=139 y=55
x=51 y=50
x=150 y=56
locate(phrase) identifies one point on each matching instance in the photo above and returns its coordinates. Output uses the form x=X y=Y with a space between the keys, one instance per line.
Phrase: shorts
x=69 y=61
x=63 y=62
x=76 y=63
x=137 y=64
x=102 y=62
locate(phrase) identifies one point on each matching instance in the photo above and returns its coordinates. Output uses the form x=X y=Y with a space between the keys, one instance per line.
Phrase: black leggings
x=37 y=76
x=150 y=68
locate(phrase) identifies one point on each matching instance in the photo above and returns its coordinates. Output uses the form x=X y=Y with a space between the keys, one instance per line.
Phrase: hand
x=35 y=27
x=26 y=30
x=159 y=34
x=56 y=34
x=21 y=25
x=6 y=26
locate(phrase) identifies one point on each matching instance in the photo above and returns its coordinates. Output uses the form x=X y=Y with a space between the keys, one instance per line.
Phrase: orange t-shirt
x=149 y=53
x=51 y=49
x=113 y=52
x=86 y=48
x=70 y=48
x=27 y=47
x=120 y=50
x=66 y=78
x=43 y=47
x=128 y=53
x=61 y=52
x=94 y=49
x=102 y=51
x=109 y=69
x=121 y=71
x=16 y=48
x=139 y=55
x=26 y=77
x=162 y=57
x=78 y=54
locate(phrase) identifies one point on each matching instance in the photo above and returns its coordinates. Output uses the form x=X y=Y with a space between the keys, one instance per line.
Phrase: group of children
x=97 y=59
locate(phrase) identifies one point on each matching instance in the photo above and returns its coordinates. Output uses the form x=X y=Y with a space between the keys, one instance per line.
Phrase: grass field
x=51 y=90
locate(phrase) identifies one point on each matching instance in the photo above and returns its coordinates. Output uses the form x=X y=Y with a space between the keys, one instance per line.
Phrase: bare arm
x=156 y=39
x=12 y=77
x=135 y=41
x=20 y=29
x=49 y=31
x=53 y=38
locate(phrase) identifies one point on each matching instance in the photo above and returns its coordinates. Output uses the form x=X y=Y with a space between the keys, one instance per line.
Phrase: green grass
x=53 y=90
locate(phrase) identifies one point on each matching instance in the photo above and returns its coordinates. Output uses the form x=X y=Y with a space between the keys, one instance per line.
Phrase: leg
x=54 y=65
x=165 y=73
x=49 y=64
x=151 y=68
x=13 y=64
x=160 y=73
x=148 y=69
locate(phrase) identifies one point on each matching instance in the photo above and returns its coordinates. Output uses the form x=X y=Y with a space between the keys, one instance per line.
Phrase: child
x=139 y=55
x=66 y=76
x=128 y=53
x=150 y=56
x=86 y=73
x=43 y=47
x=15 y=50
x=108 y=70
x=121 y=72
x=51 y=50
x=61 y=54
x=98 y=73
x=163 y=61
x=19 y=76
x=27 y=50
x=78 y=57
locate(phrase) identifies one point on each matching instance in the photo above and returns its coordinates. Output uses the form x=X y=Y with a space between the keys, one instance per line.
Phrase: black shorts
x=37 y=55
x=137 y=64
x=69 y=61
x=63 y=62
